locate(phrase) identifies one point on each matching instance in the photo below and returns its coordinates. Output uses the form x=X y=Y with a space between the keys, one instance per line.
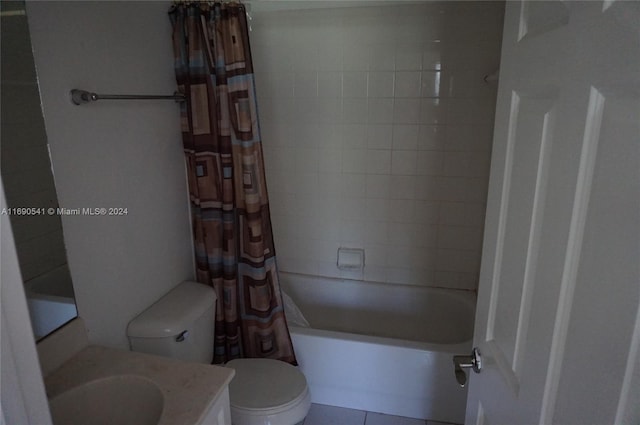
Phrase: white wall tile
x=460 y=237
x=328 y=269
x=381 y=84
x=379 y=136
x=397 y=256
x=354 y=161
x=377 y=209
x=329 y=111
x=404 y=162
x=329 y=183
x=462 y=214
x=328 y=135
x=405 y=137
x=306 y=110
x=354 y=136
x=431 y=84
x=329 y=57
x=401 y=275
x=430 y=163
x=330 y=161
x=382 y=57
x=378 y=186
x=467 y=164
x=431 y=57
x=381 y=110
x=395 y=125
x=407 y=84
x=402 y=210
x=427 y=212
x=431 y=137
x=406 y=111
x=409 y=57
x=306 y=84
x=402 y=187
x=354 y=208
x=354 y=84
x=354 y=111
x=424 y=259
x=426 y=236
x=306 y=160
x=427 y=190
x=329 y=84
x=470 y=138
x=377 y=232
x=375 y=255
x=433 y=111
x=355 y=57
x=375 y=273
x=457 y=260
x=354 y=185
x=378 y=161
x=353 y=231
x=470 y=111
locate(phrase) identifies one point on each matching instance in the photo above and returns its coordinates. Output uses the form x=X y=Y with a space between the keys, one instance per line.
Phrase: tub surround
x=193 y=393
x=377 y=127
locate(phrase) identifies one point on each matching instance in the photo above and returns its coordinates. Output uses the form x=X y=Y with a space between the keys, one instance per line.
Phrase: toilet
x=181 y=325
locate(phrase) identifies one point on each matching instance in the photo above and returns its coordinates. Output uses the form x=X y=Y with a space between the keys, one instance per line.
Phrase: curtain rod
x=80 y=97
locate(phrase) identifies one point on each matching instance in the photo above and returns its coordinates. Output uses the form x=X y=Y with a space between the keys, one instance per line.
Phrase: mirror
x=29 y=182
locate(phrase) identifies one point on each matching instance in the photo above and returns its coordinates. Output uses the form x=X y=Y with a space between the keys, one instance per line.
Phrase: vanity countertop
x=189 y=389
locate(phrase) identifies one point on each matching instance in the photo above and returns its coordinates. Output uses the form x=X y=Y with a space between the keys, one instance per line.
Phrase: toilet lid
x=264 y=384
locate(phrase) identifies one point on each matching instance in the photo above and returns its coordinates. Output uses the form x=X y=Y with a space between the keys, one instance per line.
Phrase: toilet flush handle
x=182 y=336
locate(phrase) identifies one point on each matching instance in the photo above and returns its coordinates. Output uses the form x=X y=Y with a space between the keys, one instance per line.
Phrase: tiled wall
x=26 y=170
x=377 y=128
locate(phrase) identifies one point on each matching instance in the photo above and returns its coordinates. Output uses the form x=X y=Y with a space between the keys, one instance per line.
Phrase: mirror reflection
x=29 y=182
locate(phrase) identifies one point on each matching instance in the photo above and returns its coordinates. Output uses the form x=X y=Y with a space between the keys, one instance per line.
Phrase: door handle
x=473 y=362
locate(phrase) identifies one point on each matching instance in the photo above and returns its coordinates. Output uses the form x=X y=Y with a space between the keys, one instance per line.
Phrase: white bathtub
x=50 y=300
x=382 y=347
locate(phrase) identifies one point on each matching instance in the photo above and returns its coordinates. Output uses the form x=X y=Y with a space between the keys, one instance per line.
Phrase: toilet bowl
x=267 y=392
x=181 y=325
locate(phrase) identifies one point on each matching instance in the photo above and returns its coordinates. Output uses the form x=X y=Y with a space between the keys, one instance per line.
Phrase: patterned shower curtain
x=230 y=210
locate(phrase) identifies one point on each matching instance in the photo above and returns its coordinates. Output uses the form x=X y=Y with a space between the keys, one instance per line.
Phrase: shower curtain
x=230 y=210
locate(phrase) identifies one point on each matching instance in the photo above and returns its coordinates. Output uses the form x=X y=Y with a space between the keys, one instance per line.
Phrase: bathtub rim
x=457 y=348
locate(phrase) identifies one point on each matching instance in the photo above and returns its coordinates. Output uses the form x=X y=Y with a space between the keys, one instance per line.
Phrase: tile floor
x=331 y=415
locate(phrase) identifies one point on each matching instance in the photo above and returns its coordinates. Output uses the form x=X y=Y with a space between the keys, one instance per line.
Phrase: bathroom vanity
x=100 y=385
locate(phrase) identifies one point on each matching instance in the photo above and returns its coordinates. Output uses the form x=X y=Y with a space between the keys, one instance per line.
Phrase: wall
x=114 y=154
x=26 y=169
x=377 y=128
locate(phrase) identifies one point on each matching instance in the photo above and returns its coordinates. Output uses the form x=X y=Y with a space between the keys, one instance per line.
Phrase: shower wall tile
x=377 y=130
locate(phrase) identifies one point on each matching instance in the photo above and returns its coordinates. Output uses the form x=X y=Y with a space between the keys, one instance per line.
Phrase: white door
x=558 y=321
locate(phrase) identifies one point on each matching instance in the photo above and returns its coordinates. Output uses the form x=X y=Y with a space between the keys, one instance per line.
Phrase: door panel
x=557 y=318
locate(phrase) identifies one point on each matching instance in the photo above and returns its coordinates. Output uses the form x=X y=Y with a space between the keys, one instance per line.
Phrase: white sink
x=114 y=400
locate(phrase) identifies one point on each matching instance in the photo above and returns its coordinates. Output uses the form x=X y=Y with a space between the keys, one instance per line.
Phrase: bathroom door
x=558 y=322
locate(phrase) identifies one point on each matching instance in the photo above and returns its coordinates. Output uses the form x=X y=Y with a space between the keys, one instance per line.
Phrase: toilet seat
x=267 y=392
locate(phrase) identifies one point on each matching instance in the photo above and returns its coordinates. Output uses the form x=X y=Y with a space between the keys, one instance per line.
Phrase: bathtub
x=50 y=300
x=382 y=347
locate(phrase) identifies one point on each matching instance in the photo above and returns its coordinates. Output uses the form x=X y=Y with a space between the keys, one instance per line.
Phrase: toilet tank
x=179 y=325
